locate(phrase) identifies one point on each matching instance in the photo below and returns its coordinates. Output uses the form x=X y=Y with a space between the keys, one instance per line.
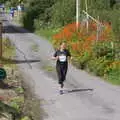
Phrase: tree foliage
x=107 y=10
x=63 y=12
x=35 y=9
x=41 y=13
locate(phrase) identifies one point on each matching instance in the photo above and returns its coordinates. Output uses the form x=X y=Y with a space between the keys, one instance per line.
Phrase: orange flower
x=91 y=37
x=81 y=40
x=74 y=46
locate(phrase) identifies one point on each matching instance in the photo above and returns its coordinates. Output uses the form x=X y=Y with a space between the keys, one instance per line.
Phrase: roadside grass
x=28 y=107
x=8 y=51
x=34 y=47
x=8 y=48
x=19 y=90
x=17 y=103
x=114 y=78
x=48 y=68
x=47 y=32
x=13 y=102
x=115 y=81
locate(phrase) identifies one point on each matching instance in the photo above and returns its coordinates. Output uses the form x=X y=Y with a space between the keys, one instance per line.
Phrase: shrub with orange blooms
x=80 y=40
x=115 y=65
x=112 y=72
x=91 y=48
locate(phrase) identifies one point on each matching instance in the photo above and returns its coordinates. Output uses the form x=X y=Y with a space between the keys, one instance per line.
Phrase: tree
x=63 y=12
x=35 y=9
x=112 y=3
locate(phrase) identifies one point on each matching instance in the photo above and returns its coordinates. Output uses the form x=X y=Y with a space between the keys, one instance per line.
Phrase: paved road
x=80 y=103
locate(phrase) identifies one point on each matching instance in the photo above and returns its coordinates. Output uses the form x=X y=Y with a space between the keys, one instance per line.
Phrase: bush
x=36 y=9
x=81 y=61
x=104 y=49
x=63 y=12
x=98 y=66
x=112 y=72
x=28 y=20
x=114 y=77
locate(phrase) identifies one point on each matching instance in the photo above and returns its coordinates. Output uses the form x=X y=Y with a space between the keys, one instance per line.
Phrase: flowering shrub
x=98 y=65
x=112 y=72
x=80 y=40
x=104 y=49
x=114 y=66
x=88 y=48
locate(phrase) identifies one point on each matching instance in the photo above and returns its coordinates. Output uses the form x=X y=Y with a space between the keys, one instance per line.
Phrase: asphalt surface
x=86 y=97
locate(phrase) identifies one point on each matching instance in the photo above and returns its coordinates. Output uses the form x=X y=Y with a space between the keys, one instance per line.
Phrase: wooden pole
x=91 y=17
x=97 y=36
x=77 y=13
x=0 y=39
x=87 y=17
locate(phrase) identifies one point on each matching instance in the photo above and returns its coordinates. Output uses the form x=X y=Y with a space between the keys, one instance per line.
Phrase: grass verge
x=13 y=105
x=47 y=32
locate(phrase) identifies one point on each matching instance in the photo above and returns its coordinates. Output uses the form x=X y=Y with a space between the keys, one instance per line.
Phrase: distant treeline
x=57 y=13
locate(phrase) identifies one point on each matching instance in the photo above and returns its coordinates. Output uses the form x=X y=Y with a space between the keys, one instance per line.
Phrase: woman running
x=62 y=55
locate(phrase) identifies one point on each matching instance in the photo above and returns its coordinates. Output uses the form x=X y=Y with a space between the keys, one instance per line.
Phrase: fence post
x=0 y=39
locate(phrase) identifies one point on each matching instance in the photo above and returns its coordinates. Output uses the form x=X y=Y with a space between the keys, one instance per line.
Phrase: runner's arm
x=55 y=56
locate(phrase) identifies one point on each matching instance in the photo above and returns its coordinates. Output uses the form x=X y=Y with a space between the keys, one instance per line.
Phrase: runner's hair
x=62 y=42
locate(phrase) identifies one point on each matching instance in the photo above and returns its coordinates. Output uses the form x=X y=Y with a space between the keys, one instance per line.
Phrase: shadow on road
x=14 y=61
x=3 y=20
x=76 y=90
x=14 y=29
x=9 y=25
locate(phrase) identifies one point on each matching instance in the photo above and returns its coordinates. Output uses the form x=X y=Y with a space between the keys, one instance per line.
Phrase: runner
x=11 y=12
x=62 y=55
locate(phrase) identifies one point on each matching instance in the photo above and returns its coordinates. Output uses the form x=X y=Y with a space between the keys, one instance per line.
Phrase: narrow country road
x=89 y=97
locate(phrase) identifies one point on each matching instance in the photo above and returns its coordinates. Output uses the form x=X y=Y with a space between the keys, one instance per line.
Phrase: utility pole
x=98 y=30
x=92 y=18
x=99 y=25
x=0 y=39
x=87 y=17
x=77 y=13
